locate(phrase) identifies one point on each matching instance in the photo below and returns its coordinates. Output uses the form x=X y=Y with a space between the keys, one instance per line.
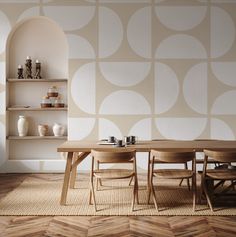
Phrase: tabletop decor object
x=58 y=129
x=22 y=126
x=46 y=102
x=37 y=70
x=42 y=130
x=28 y=68
x=58 y=103
x=20 y=72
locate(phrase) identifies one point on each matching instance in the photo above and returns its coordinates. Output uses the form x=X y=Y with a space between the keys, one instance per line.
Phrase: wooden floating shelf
x=36 y=138
x=36 y=109
x=36 y=80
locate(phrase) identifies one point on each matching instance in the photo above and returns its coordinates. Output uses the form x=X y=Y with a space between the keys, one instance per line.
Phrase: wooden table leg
x=66 y=178
x=77 y=159
x=74 y=171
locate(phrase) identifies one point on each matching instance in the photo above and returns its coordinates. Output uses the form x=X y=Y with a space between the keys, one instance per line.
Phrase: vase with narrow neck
x=22 y=126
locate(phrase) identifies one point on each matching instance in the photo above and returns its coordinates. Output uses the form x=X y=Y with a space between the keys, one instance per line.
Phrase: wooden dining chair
x=222 y=174
x=172 y=157
x=113 y=157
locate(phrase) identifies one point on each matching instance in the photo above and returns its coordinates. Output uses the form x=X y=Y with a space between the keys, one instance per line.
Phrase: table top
x=145 y=146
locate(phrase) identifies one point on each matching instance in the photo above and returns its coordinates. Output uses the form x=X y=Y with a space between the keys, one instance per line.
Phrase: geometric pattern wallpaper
x=150 y=68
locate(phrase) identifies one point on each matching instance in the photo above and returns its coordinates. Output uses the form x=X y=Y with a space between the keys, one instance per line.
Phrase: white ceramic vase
x=22 y=126
x=58 y=129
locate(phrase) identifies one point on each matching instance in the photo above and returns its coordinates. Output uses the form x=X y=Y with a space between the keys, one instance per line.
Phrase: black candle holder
x=20 y=73
x=38 y=70
x=28 y=68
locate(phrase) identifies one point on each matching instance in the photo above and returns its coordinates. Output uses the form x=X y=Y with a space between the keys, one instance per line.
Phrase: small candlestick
x=20 y=72
x=28 y=68
x=37 y=70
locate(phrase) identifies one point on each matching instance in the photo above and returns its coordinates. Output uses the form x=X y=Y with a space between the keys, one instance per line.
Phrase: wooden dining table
x=77 y=151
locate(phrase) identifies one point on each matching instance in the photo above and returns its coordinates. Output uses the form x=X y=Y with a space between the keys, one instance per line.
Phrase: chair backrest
x=171 y=156
x=103 y=156
x=221 y=155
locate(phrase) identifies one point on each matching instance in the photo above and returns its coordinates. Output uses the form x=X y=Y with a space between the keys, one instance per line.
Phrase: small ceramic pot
x=58 y=129
x=42 y=130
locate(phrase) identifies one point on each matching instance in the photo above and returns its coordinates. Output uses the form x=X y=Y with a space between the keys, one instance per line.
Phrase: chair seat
x=113 y=173
x=224 y=174
x=173 y=173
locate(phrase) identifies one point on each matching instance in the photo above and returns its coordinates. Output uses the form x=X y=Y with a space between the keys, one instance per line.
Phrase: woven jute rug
x=34 y=197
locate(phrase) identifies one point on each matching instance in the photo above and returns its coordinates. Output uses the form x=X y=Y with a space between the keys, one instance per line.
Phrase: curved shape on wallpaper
x=195 y=88
x=125 y=73
x=83 y=88
x=79 y=47
x=2 y=104
x=181 y=46
x=166 y=88
x=76 y=16
x=125 y=102
x=80 y=128
x=224 y=104
x=222 y=32
x=30 y=12
x=181 y=17
x=142 y=129
x=225 y=72
x=139 y=32
x=109 y=25
x=221 y=130
x=181 y=128
x=108 y=128
x=5 y=28
x=2 y=73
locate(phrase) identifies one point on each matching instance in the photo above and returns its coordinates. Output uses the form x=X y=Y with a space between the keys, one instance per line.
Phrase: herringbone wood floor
x=106 y=225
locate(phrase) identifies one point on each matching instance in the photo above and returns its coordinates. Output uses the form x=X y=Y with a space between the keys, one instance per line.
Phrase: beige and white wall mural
x=151 y=68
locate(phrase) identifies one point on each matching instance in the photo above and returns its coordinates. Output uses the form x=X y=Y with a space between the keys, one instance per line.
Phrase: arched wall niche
x=40 y=38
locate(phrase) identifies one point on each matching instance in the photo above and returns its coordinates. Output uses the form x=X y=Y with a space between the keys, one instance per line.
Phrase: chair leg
x=188 y=183
x=90 y=196
x=149 y=188
x=134 y=195
x=98 y=183
x=148 y=171
x=131 y=180
x=194 y=191
x=93 y=194
x=201 y=190
x=149 y=195
x=152 y=191
x=154 y=196
x=136 y=185
x=207 y=195
x=181 y=181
